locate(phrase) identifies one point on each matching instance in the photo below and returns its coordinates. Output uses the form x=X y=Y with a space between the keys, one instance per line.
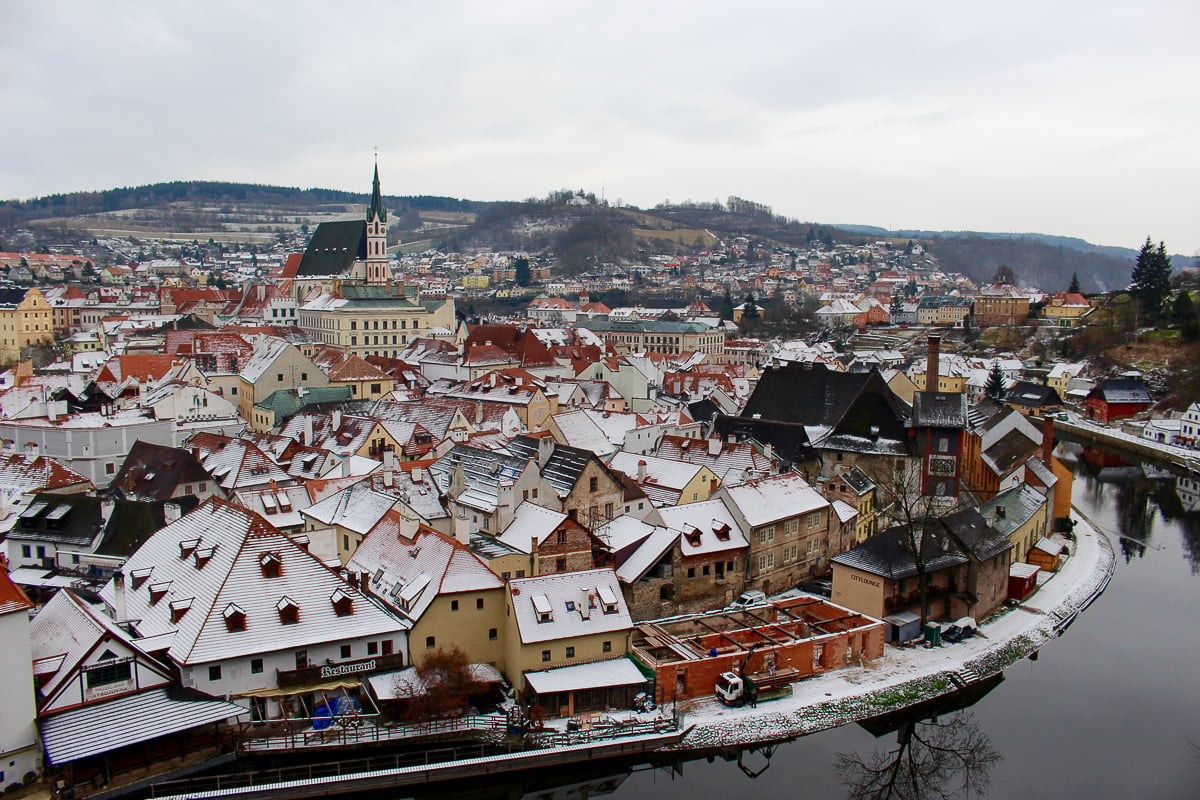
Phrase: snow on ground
x=905 y=676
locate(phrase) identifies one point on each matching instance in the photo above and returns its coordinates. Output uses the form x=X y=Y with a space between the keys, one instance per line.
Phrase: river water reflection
x=1109 y=710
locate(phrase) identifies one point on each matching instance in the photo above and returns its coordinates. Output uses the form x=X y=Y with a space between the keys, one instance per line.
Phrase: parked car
x=963 y=628
x=750 y=597
x=818 y=586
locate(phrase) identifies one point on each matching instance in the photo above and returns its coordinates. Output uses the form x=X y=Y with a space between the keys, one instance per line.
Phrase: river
x=1109 y=710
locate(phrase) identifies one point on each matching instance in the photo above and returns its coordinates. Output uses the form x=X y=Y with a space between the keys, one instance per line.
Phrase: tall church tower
x=377 y=258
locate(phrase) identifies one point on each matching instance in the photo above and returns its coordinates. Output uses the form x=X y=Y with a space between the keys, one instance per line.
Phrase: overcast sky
x=1079 y=118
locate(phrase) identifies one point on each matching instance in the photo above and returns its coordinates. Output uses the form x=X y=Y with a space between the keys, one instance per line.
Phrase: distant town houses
x=312 y=470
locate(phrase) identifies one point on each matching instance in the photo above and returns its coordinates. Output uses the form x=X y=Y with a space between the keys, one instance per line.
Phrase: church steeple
x=377 y=260
x=376 y=209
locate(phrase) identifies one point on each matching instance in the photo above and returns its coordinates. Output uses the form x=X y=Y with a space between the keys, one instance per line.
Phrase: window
x=214 y=672
x=479 y=602
x=375 y=388
x=430 y=642
x=520 y=573
x=691 y=572
x=570 y=652
x=454 y=605
x=705 y=569
x=372 y=648
x=608 y=510
x=560 y=564
x=814 y=520
x=387 y=647
x=110 y=674
x=346 y=651
x=505 y=575
x=493 y=634
x=606 y=647
x=26 y=551
x=545 y=655
x=279 y=377
x=110 y=469
x=593 y=484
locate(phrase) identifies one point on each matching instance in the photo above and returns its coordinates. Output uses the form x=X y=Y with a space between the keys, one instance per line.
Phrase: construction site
x=794 y=638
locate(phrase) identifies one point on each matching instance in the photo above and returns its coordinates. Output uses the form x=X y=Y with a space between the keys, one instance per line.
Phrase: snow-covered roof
x=599 y=674
x=764 y=501
x=530 y=522
x=562 y=593
x=210 y=560
x=410 y=565
x=357 y=508
x=128 y=720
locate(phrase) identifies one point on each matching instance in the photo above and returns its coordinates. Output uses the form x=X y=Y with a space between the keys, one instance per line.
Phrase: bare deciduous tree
x=936 y=759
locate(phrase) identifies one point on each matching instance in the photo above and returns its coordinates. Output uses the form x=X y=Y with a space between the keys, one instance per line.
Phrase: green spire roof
x=376 y=200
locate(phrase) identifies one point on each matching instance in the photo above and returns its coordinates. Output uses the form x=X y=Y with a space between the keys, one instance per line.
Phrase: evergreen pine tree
x=996 y=385
x=1150 y=281
x=897 y=307
x=1074 y=287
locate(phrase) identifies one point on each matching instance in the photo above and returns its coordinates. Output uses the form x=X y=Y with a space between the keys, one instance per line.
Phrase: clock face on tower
x=940 y=465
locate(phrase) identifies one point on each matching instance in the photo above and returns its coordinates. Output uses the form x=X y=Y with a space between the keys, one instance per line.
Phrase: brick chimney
x=932 y=364
x=1048 y=441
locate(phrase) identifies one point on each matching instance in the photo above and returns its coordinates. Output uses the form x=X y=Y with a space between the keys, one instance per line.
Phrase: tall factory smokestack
x=932 y=365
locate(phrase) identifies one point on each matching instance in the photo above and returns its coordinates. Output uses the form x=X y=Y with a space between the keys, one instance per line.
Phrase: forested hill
x=1035 y=262
x=580 y=230
x=14 y=213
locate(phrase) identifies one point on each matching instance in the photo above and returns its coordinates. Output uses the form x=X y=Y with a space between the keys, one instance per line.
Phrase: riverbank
x=1083 y=429
x=906 y=676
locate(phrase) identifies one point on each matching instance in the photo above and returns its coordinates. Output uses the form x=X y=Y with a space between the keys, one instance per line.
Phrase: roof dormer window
x=343 y=603
x=543 y=609
x=289 y=611
x=158 y=591
x=179 y=608
x=203 y=554
x=140 y=576
x=187 y=547
x=271 y=565
x=235 y=617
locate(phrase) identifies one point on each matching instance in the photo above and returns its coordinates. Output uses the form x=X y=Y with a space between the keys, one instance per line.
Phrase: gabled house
x=343 y=519
x=553 y=540
x=89 y=672
x=567 y=642
x=241 y=609
x=451 y=597
x=586 y=489
x=786 y=522
x=155 y=472
x=965 y=561
x=667 y=482
x=485 y=487
x=275 y=364
x=1118 y=398
x=1033 y=399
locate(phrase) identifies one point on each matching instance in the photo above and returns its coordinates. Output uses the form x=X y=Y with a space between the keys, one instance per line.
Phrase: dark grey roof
x=153 y=471
x=858 y=480
x=804 y=394
x=789 y=439
x=562 y=469
x=1122 y=390
x=1032 y=395
x=334 y=248
x=1012 y=447
x=949 y=541
x=939 y=410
